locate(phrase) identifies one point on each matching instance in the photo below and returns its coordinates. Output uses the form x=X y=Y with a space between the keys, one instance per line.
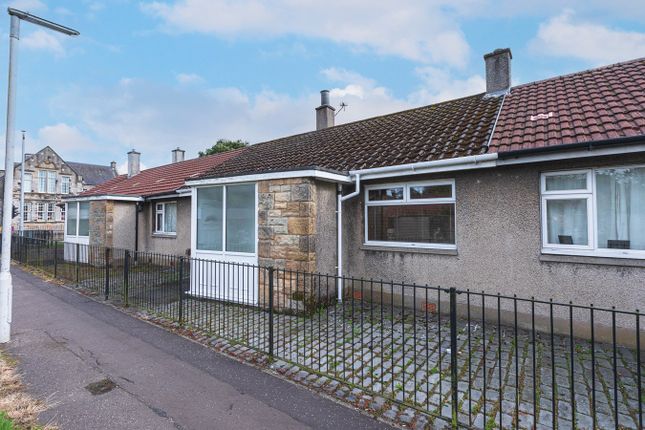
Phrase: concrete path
x=65 y=341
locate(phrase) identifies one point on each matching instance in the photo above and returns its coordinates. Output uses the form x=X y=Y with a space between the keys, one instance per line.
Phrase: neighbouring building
x=47 y=180
x=535 y=190
x=143 y=210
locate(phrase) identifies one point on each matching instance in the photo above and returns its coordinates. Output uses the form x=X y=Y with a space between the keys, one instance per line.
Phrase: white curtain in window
x=84 y=219
x=621 y=208
x=567 y=221
x=170 y=218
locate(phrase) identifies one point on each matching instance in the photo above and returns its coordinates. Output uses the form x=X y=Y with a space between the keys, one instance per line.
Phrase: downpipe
x=339 y=230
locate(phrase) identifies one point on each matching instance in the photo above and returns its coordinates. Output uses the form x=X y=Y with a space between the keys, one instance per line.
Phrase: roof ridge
x=581 y=72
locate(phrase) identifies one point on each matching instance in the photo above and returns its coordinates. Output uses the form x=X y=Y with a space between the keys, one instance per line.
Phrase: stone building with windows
x=47 y=179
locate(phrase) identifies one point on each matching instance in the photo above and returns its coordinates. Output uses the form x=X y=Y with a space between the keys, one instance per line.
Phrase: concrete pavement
x=65 y=341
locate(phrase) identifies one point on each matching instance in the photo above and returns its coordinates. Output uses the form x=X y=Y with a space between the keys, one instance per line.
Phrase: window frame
x=162 y=211
x=591 y=193
x=77 y=235
x=30 y=181
x=65 y=179
x=408 y=201
x=223 y=251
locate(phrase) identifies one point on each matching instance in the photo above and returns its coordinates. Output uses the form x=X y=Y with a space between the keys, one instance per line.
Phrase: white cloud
x=65 y=139
x=563 y=36
x=420 y=30
x=28 y=5
x=43 y=40
x=189 y=78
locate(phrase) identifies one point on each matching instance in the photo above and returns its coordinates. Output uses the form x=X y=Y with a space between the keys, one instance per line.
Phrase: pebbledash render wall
x=297 y=233
x=498 y=237
x=177 y=244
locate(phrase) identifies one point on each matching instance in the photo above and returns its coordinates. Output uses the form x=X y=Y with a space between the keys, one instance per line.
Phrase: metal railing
x=471 y=358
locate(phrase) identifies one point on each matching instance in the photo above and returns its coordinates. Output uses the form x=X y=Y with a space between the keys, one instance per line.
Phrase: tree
x=224 y=145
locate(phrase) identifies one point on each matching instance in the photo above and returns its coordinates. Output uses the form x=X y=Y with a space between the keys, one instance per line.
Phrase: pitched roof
x=599 y=104
x=449 y=129
x=93 y=174
x=159 y=180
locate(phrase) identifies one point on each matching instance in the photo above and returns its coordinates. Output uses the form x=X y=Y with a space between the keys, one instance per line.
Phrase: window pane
x=430 y=191
x=386 y=194
x=567 y=222
x=574 y=181
x=84 y=219
x=209 y=218
x=412 y=223
x=27 y=184
x=240 y=218
x=620 y=202
x=158 y=221
x=170 y=218
x=71 y=219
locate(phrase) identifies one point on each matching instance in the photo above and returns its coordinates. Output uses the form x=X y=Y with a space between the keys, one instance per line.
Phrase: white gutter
x=339 y=232
x=567 y=155
x=424 y=167
x=311 y=173
x=104 y=197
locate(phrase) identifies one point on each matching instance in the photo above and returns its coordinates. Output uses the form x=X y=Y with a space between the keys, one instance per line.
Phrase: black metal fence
x=470 y=358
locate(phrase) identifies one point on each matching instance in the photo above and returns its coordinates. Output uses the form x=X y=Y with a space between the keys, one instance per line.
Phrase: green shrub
x=5 y=422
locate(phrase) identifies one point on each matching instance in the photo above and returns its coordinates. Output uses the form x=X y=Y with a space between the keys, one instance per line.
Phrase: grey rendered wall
x=326 y=243
x=123 y=225
x=498 y=246
x=165 y=244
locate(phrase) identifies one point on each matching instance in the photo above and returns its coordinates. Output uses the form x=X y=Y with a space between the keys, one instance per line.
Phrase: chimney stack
x=134 y=167
x=178 y=155
x=498 y=71
x=113 y=166
x=324 y=112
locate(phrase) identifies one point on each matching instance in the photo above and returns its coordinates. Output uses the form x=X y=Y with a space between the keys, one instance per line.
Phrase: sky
x=153 y=75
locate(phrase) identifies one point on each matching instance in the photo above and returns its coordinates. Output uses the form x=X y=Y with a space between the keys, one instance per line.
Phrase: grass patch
x=18 y=410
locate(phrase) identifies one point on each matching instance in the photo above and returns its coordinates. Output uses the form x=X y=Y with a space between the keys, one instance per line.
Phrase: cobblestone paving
x=407 y=358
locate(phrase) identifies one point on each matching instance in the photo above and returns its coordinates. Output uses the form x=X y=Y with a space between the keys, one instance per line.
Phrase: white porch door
x=77 y=232
x=224 y=243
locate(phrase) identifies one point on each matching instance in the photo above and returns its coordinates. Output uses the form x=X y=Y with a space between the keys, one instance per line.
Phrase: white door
x=224 y=243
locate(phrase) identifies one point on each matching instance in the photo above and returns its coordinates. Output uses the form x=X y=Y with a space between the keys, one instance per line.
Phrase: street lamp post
x=6 y=286
x=22 y=186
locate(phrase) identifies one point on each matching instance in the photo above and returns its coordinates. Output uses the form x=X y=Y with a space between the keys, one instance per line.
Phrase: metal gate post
x=271 y=311
x=78 y=258
x=55 y=259
x=454 y=348
x=107 y=273
x=126 y=278
x=180 y=283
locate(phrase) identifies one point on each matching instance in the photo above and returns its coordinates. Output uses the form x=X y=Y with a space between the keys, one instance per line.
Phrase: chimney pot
x=113 y=166
x=324 y=112
x=134 y=166
x=178 y=155
x=498 y=71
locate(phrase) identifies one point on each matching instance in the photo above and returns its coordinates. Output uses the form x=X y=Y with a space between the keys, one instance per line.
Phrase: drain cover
x=101 y=387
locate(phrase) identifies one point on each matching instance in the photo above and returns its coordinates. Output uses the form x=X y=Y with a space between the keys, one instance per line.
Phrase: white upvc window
x=61 y=213
x=415 y=214
x=166 y=218
x=51 y=208
x=78 y=219
x=40 y=211
x=26 y=212
x=27 y=181
x=65 y=184
x=594 y=212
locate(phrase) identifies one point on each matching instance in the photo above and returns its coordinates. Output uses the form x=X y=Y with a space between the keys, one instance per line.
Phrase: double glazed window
x=27 y=183
x=65 y=184
x=226 y=218
x=166 y=218
x=416 y=214
x=595 y=212
x=78 y=219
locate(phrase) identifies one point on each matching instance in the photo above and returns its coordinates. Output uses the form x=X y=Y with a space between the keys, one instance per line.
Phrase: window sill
x=165 y=235
x=381 y=248
x=600 y=261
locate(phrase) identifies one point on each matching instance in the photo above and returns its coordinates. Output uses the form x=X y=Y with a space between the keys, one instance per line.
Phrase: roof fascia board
x=316 y=174
x=461 y=163
x=104 y=197
x=594 y=151
x=168 y=196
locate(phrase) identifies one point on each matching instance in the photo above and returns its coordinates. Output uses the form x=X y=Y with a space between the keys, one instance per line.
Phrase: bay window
x=166 y=218
x=414 y=215
x=226 y=218
x=598 y=212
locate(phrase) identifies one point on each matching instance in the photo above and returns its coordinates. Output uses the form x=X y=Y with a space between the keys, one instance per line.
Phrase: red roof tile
x=600 y=104
x=159 y=180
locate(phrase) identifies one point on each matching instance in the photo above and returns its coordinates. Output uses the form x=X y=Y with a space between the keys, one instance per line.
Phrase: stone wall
x=101 y=222
x=287 y=237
